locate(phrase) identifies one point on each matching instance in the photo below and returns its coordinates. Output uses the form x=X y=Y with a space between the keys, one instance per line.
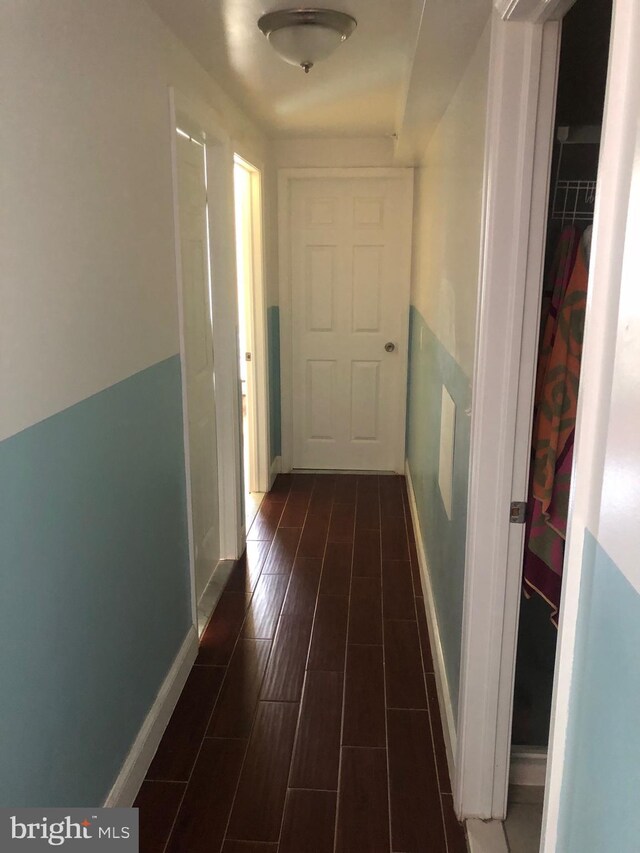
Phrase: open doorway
x=202 y=162
x=524 y=195
x=251 y=335
x=581 y=83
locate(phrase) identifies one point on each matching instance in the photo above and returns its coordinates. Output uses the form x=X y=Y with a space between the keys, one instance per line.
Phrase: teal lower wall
x=94 y=587
x=431 y=367
x=600 y=793
x=273 y=328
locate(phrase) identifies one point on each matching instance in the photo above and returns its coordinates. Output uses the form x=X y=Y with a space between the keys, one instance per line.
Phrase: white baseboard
x=486 y=836
x=528 y=766
x=276 y=468
x=442 y=684
x=137 y=762
x=212 y=592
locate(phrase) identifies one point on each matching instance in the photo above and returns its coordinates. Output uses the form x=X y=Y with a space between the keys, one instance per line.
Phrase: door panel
x=320 y=282
x=198 y=346
x=365 y=393
x=350 y=261
x=321 y=394
x=367 y=285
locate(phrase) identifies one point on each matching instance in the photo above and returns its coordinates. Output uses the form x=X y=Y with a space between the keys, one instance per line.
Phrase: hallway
x=310 y=720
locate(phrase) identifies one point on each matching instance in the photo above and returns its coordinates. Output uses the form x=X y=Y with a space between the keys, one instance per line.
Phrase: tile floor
x=309 y=723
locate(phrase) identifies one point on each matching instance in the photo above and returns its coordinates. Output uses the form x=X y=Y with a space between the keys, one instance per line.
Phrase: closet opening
x=573 y=174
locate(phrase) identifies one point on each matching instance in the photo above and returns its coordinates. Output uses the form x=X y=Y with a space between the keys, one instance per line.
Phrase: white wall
x=93 y=528
x=87 y=286
x=333 y=152
x=444 y=285
x=618 y=528
x=447 y=219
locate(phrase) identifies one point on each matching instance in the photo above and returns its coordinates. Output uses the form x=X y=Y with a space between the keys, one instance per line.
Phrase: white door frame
x=198 y=119
x=523 y=76
x=523 y=56
x=258 y=367
x=521 y=112
x=285 y=178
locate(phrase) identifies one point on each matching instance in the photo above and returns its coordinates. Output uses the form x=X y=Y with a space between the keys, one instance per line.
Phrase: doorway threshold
x=486 y=836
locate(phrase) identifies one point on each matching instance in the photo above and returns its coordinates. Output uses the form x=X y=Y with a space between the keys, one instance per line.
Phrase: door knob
x=390 y=346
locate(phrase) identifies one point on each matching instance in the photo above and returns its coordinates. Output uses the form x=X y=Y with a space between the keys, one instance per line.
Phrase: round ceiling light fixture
x=305 y=36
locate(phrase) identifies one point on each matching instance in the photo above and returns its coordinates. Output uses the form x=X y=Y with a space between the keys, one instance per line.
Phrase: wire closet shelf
x=573 y=201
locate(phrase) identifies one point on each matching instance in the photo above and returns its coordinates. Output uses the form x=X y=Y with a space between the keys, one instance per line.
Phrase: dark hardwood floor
x=310 y=723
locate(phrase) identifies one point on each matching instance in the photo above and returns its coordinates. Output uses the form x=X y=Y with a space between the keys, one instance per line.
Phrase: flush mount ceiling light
x=305 y=36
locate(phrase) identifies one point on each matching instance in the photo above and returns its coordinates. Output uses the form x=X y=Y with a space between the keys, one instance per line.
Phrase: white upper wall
x=88 y=283
x=448 y=214
x=619 y=531
x=333 y=152
x=445 y=39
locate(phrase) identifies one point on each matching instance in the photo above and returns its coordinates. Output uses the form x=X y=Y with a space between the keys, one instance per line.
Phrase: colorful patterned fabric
x=561 y=269
x=545 y=537
x=554 y=423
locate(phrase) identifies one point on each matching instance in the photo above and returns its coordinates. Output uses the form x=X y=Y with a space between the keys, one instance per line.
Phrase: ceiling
x=361 y=90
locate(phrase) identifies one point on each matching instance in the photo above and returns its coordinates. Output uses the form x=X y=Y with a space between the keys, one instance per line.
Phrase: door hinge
x=518 y=512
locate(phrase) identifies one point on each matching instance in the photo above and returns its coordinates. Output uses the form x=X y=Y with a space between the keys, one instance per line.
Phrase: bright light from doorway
x=244 y=177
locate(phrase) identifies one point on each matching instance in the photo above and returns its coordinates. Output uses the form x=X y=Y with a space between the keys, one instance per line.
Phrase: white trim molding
x=532 y=11
x=276 y=468
x=138 y=761
x=442 y=683
x=519 y=52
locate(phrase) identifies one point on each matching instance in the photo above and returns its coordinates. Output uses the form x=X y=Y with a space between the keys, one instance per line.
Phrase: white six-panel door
x=198 y=351
x=349 y=269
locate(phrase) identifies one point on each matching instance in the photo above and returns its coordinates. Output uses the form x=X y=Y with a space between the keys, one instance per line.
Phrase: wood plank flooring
x=310 y=722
